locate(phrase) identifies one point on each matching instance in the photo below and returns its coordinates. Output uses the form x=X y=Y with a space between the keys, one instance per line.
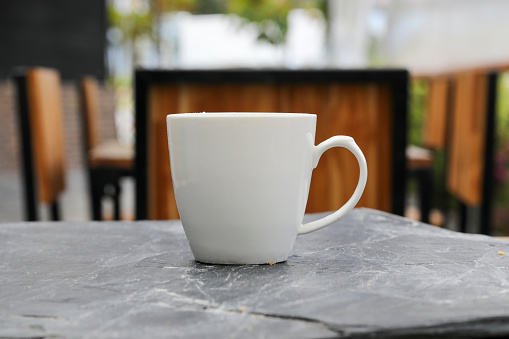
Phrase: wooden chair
x=42 y=139
x=471 y=145
x=421 y=161
x=460 y=120
x=370 y=105
x=107 y=161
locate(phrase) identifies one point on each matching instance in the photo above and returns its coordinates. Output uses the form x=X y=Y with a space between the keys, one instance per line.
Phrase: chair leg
x=55 y=211
x=116 y=200
x=425 y=189
x=463 y=217
x=105 y=184
x=96 y=200
x=489 y=155
x=31 y=212
x=424 y=177
x=486 y=218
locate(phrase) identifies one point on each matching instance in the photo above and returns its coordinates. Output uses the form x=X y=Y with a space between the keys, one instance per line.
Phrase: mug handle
x=348 y=143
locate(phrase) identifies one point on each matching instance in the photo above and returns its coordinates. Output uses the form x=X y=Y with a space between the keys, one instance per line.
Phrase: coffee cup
x=241 y=182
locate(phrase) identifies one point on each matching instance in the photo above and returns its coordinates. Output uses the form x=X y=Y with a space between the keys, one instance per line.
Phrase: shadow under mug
x=241 y=182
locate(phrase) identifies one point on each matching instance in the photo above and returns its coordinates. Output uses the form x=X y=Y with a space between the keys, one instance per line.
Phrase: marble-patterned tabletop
x=371 y=274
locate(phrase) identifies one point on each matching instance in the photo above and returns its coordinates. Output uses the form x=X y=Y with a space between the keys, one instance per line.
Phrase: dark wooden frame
x=397 y=79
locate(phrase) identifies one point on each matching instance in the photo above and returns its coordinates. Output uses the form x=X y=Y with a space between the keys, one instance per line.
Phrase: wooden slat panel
x=90 y=97
x=463 y=85
x=471 y=184
x=436 y=114
x=383 y=145
x=228 y=98
x=46 y=123
x=163 y=100
x=169 y=99
x=466 y=159
x=361 y=111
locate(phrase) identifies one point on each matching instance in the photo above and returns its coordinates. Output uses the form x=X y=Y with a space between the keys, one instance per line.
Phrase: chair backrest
x=369 y=105
x=435 y=125
x=471 y=141
x=42 y=134
x=89 y=95
x=460 y=119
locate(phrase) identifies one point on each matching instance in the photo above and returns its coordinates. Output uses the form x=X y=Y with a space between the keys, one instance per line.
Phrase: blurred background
x=110 y=38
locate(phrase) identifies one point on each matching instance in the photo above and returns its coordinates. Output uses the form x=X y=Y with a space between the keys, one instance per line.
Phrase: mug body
x=241 y=182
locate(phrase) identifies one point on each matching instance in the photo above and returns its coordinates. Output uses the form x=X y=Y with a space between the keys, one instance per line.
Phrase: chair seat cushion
x=418 y=157
x=111 y=153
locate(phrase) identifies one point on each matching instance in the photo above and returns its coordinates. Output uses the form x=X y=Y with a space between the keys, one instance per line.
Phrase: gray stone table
x=371 y=274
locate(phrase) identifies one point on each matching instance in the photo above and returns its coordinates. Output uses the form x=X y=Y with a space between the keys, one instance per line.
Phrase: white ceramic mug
x=241 y=182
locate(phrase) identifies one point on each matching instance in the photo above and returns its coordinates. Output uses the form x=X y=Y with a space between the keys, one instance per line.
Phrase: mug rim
x=239 y=115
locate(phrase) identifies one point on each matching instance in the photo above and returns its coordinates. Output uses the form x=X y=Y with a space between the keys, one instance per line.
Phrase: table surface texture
x=370 y=274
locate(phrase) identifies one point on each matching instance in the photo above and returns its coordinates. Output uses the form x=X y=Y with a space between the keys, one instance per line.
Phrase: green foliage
x=502 y=111
x=501 y=196
x=417 y=108
x=270 y=16
x=164 y=6
x=209 y=7
x=141 y=22
x=132 y=25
